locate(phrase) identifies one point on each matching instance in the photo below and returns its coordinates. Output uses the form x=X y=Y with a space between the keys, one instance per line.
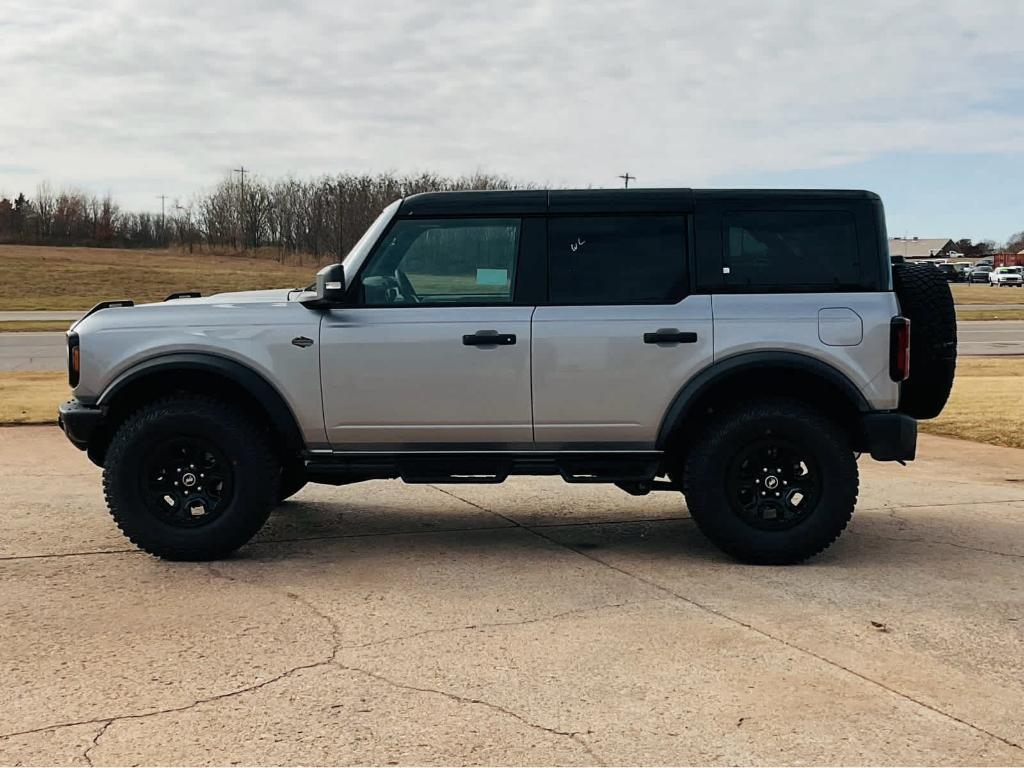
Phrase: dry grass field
x=31 y=398
x=987 y=403
x=983 y=294
x=42 y=277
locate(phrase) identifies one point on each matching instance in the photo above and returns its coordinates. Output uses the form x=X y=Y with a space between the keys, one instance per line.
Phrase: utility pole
x=626 y=178
x=241 y=203
x=163 y=218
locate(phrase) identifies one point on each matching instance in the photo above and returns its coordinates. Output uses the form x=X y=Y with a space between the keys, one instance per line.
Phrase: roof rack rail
x=184 y=295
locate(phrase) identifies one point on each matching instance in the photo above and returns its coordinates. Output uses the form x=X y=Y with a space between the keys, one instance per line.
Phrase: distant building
x=1008 y=259
x=920 y=247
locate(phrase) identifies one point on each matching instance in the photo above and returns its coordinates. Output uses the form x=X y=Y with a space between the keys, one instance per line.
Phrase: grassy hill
x=43 y=277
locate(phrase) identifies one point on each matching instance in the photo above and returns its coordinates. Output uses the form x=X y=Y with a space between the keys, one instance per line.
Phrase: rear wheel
x=190 y=478
x=771 y=482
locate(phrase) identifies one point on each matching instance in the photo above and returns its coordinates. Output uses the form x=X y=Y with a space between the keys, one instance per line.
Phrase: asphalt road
x=41 y=351
x=45 y=351
x=989 y=337
x=530 y=623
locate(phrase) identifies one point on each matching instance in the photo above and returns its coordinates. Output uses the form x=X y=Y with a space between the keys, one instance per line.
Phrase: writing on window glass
x=580 y=242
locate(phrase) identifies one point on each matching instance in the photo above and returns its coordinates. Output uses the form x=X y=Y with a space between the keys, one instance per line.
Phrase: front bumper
x=890 y=436
x=80 y=422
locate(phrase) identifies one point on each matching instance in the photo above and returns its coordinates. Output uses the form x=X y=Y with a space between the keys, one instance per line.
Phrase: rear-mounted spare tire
x=925 y=299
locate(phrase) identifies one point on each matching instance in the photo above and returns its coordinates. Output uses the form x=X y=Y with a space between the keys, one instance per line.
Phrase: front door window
x=444 y=262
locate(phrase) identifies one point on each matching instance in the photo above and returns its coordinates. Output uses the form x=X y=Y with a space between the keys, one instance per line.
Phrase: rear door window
x=769 y=250
x=616 y=259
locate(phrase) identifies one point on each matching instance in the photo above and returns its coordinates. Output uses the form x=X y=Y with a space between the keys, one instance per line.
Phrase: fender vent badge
x=302 y=341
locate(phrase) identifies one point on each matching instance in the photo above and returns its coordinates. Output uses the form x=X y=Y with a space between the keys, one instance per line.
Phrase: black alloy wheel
x=188 y=481
x=773 y=484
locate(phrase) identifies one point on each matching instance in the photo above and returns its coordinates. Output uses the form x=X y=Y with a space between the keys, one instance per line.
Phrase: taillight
x=74 y=359
x=899 y=349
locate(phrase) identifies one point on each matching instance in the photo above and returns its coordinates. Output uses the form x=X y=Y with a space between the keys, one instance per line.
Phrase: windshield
x=355 y=256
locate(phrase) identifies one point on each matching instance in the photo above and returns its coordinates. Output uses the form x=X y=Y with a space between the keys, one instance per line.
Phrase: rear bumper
x=79 y=422
x=890 y=436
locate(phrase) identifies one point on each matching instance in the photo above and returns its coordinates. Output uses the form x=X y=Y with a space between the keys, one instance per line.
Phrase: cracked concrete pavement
x=529 y=623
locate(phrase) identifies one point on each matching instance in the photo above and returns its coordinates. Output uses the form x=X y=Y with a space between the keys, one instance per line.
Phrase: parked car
x=979 y=274
x=951 y=273
x=741 y=348
x=1006 y=277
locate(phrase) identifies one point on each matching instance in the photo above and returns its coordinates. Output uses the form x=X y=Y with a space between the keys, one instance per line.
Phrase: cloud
x=164 y=98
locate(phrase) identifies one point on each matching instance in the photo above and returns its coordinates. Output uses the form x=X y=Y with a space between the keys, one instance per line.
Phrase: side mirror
x=329 y=290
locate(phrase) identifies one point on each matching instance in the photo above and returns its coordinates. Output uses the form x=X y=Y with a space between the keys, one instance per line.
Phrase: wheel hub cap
x=773 y=483
x=187 y=481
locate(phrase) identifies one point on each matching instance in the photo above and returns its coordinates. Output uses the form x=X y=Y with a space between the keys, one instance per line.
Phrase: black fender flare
x=282 y=419
x=705 y=381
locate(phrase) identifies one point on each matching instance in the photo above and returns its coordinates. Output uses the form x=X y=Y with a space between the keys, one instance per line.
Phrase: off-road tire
x=706 y=477
x=925 y=299
x=255 y=476
x=293 y=479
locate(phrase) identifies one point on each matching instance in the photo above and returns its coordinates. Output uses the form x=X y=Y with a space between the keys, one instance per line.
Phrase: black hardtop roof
x=536 y=201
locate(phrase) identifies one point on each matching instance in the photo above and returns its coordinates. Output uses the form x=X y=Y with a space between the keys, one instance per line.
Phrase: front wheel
x=190 y=478
x=771 y=482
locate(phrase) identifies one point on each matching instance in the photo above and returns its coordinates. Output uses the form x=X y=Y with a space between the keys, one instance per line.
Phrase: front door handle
x=670 y=336
x=488 y=339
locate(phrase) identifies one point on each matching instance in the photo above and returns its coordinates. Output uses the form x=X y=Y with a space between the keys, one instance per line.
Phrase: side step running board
x=628 y=470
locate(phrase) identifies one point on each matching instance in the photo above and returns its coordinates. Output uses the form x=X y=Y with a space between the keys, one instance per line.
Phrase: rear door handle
x=670 y=336
x=488 y=339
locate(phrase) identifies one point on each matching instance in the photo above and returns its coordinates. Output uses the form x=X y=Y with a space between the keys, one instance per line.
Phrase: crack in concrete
x=87 y=754
x=59 y=555
x=497 y=624
x=764 y=633
x=171 y=710
x=945 y=544
x=332 y=537
x=939 y=504
x=106 y=722
x=575 y=736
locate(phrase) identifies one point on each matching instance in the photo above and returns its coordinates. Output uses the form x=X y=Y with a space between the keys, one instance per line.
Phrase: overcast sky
x=922 y=102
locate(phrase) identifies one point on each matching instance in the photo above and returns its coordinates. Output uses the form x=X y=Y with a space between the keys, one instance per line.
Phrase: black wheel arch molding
x=233 y=374
x=838 y=395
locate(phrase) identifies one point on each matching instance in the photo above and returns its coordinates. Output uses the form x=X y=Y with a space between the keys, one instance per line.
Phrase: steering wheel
x=405 y=286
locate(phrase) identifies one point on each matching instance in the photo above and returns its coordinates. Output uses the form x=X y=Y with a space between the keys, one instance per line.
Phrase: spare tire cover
x=925 y=299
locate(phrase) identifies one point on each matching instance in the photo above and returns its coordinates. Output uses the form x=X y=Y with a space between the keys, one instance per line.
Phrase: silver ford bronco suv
x=744 y=348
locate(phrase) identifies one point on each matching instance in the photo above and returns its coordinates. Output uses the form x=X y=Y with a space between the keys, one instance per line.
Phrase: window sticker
x=492 y=277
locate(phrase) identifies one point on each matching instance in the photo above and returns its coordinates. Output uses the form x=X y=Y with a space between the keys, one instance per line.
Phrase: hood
x=241 y=307
x=232 y=297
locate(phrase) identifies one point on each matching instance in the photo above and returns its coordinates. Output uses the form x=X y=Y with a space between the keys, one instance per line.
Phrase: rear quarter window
x=790 y=250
